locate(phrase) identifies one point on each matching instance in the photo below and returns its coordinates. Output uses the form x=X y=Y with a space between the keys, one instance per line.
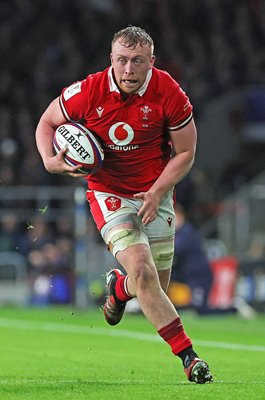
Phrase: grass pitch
x=60 y=353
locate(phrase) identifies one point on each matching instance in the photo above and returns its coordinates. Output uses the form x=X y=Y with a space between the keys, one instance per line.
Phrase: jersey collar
x=114 y=88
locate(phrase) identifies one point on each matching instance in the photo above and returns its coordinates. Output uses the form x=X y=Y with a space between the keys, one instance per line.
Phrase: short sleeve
x=178 y=108
x=74 y=99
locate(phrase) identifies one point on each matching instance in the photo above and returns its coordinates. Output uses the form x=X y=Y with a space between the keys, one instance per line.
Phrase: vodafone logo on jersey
x=121 y=134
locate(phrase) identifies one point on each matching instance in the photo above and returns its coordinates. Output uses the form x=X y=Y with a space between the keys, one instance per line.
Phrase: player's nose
x=129 y=68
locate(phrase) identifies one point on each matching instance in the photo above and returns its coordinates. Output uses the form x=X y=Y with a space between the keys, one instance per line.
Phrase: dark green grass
x=62 y=354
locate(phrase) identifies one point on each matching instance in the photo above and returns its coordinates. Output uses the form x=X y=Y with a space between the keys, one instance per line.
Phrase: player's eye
x=122 y=60
x=137 y=61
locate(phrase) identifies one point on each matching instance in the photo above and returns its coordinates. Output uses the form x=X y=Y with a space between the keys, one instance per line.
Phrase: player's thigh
x=120 y=226
x=109 y=210
x=161 y=232
x=116 y=218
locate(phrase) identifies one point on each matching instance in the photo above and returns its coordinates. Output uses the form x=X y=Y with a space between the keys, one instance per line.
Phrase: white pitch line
x=149 y=337
x=56 y=382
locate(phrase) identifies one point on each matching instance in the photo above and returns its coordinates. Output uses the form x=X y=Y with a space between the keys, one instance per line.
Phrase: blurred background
x=50 y=252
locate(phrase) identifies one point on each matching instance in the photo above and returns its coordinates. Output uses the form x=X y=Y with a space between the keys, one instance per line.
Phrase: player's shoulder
x=163 y=80
x=96 y=78
x=163 y=76
x=87 y=90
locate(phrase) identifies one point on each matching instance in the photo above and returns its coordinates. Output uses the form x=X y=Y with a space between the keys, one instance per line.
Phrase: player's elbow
x=188 y=158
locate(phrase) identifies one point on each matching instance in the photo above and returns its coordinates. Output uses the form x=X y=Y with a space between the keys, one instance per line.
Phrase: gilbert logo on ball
x=82 y=147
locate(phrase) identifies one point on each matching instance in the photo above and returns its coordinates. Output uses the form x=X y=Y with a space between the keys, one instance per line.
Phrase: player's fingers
x=146 y=220
x=73 y=170
x=62 y=152
x=142 y=210
x=140 y=196
x=76 y=174
x=148 y=216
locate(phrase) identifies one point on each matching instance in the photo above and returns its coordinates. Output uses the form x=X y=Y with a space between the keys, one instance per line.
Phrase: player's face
x=131 y=65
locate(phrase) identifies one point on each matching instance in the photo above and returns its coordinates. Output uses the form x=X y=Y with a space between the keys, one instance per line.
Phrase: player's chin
x=132 y=88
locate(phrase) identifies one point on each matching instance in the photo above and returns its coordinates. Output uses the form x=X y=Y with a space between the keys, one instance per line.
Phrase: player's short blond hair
x=132 y=36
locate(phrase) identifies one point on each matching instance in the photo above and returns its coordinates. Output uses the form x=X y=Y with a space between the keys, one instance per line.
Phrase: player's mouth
x=130 y=82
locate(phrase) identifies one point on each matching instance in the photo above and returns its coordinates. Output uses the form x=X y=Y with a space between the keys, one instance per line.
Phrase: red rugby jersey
x=134 y=132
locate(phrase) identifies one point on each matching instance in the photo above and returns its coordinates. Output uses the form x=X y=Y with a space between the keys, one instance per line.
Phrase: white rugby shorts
x=111 y=211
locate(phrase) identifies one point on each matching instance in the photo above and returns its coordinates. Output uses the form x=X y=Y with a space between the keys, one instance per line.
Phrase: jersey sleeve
x=74 y=99
x=178 y=108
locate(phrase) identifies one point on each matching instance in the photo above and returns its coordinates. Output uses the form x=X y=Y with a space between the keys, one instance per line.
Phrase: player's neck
x=125 y=96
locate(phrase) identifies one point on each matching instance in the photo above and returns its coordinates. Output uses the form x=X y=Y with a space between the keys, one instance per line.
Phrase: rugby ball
x=83 y=147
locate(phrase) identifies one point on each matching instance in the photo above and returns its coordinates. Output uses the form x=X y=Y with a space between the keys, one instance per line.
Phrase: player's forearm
x=176 y=169
x=44 y=133
x=50 y=120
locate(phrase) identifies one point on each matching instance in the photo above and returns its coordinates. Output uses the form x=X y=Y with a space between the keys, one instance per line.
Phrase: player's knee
x=145 y=275
x=143 y=272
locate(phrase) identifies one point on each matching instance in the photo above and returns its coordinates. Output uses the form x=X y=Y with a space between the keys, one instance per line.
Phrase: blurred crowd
x=47 y=248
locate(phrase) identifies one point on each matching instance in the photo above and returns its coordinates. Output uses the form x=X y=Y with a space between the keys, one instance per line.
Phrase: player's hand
x=57 y=165
x=149 y=208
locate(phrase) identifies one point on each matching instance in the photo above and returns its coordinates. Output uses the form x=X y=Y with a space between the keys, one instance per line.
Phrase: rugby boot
x=113 y=308
x=197 y=370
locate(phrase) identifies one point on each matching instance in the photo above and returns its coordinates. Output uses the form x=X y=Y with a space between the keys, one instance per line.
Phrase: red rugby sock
x=121 y=290
x=175 y=336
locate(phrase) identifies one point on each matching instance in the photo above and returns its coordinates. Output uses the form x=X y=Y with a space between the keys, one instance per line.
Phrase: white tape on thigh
x=121 y=239
x=163 y=253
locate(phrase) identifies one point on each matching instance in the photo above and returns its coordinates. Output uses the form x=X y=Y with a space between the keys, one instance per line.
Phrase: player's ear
x=152 y=60
x=111 y=58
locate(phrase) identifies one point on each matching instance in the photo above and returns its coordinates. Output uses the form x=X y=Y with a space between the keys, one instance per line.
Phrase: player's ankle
x=188 y=352
x=122 y=294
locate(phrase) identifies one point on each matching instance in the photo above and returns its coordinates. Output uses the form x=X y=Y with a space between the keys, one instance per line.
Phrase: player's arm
x=49 y=121
x=184 y=143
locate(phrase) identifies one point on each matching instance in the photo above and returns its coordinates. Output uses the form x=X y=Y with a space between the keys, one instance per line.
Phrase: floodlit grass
x=60 y=353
